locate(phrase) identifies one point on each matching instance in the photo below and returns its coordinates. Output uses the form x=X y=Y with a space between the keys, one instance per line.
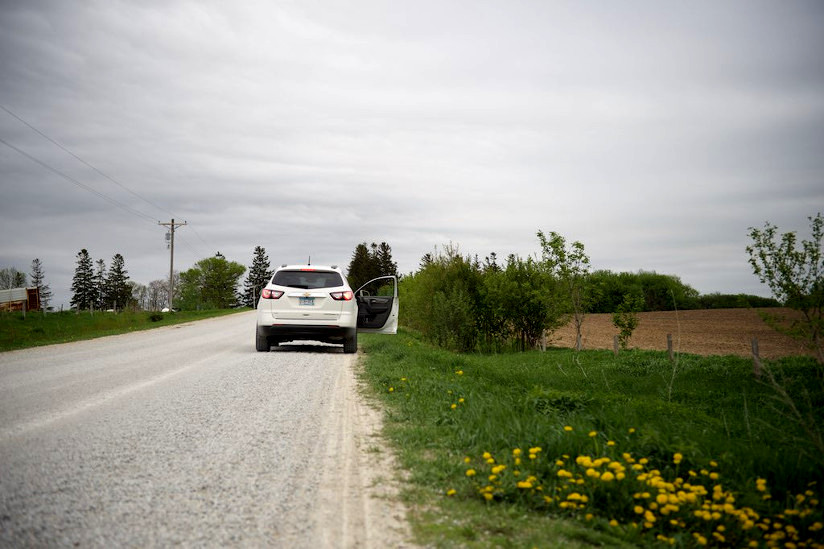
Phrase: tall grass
x=449 y=413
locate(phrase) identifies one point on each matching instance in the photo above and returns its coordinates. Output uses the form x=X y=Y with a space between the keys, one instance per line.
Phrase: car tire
x=350 y=345
x=262 y=343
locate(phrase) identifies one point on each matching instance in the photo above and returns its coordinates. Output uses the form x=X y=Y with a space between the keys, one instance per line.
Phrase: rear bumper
x=302 y=332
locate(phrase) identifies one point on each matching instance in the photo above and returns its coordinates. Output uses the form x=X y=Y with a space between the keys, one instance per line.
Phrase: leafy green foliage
x=625 y=317
x=210 y=284
x=795 y=275
x=661 y=292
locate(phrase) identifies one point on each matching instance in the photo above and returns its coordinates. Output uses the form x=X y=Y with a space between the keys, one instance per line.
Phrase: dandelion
x=461 y=400
x=451 y=492
x=593 y=433
x=516 y=452
x=631 y=430
x=470 y=472
x=488 y=496
x=676 y=458
x=613 y=523
x=524 y=484
x=391 y=389
x=607 y=477
x=610 y=443
x=454 y=406
x=568 y=428
x=498 y=469
x=459 y=372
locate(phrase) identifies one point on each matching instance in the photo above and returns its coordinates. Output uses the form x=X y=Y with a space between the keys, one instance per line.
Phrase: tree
x=118 y=293
x=38 y=280
x=795 y=275
x=11 y=278
x=383 y=258
x=571 y=266
x=625 y=317
x=83 y=289
x=259 y=274
x=140 y=295
x=211 y=283
x=364 y=266
x=101 y=292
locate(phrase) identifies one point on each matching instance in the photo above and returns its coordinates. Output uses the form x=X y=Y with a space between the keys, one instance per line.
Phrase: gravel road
x=186 y=435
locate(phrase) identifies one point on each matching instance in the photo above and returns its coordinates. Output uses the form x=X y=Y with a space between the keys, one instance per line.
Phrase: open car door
x=378 y=306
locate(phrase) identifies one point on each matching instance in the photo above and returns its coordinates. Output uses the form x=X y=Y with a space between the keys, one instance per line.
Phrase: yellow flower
x=676 y=458
x=391 y=389
x=450 y=492
x=486 y=455
x=567 y=428
x=525 y=484
x=461 y=400
x=470 y=472
x=498 y=468
x=593 y=433
x=613 y=522
x=488 y=496
x=459 y=372
x=631 y=430
x=535 y=450
x=454 y=406
x=467 y=459
x=610 y=443
x=638 y=510
x=607 y=477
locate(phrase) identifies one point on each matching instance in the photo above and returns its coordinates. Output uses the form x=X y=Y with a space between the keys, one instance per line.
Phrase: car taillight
x=341 y=296
x=270 y=294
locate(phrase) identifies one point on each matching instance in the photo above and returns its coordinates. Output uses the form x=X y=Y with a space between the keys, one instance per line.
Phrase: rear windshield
x=308 y=280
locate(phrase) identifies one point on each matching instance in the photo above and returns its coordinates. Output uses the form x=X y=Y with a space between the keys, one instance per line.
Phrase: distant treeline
x=662 y=292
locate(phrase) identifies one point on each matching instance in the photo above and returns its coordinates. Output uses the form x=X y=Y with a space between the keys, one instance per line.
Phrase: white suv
x=311 y=302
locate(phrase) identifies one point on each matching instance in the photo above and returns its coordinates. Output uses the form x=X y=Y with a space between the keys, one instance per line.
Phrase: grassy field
x=559 y=449
x=17 y=332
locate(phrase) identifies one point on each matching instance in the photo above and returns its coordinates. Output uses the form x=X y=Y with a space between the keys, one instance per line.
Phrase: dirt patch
x=703 y=332
x=359 y=504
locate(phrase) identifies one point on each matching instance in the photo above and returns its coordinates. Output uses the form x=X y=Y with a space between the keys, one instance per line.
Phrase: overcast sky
x=654 y=132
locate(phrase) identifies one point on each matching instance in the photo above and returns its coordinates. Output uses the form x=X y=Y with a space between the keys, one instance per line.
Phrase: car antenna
x=310 y=260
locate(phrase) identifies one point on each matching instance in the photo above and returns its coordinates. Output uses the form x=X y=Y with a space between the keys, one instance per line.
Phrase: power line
x=79 y=184
x=110 y=178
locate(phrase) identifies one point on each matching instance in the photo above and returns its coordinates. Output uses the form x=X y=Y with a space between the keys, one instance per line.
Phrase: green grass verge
x=559 y=449
x=17 y=332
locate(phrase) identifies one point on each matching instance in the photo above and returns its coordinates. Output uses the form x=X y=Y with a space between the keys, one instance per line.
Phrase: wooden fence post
x=615 y=345
x=756 y=359
x=669 y=347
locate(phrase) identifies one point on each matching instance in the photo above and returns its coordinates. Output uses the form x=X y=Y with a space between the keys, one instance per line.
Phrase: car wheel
x=262 y=343
x=351 y=344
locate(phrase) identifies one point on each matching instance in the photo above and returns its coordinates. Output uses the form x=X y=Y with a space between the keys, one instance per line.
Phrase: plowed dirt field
x=702 y=332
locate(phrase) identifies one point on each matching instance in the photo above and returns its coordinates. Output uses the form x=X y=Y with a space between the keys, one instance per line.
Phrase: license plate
x=306 y=301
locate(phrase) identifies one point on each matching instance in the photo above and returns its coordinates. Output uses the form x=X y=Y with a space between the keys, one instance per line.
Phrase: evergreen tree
x=360 y=269
x=118 y=292
x=83 y=289
x=101 y=292
x=11 y=278
x=383 y=258
x=259 y=274
x=38 y=279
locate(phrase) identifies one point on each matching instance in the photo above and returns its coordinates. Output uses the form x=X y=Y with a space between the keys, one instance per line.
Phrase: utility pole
x=172 y=226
